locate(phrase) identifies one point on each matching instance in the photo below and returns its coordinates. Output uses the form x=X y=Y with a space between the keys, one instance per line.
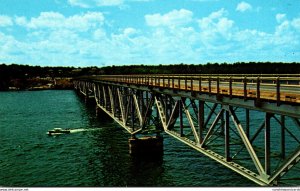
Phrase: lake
x=96 y=157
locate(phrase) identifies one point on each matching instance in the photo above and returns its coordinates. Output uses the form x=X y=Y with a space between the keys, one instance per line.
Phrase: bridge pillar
x=89 y=100
x=146 y=146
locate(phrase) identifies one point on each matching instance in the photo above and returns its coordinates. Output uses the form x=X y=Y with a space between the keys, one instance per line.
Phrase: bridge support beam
x=148 y=146
x=267 y=143
x=227 y=137
x=220 y=135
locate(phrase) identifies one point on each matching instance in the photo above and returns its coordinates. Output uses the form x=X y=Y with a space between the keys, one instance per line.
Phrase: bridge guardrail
x=280 y=88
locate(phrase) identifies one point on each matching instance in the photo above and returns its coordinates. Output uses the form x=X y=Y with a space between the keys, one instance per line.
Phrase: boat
x=58 y=131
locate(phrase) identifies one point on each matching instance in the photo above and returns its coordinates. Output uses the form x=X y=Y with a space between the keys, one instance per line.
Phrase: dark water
x=29 y=157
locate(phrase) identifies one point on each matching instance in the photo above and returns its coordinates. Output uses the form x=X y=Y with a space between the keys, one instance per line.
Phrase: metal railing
x=281 y=88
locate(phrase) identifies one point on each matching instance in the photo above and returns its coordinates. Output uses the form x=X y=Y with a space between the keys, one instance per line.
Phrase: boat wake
x=82 y=130
x=59 y=131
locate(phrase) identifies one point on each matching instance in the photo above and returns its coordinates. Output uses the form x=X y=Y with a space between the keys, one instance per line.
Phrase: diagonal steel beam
x=173 y=115
x=121 y=106
x=248 y=145
x=257 y=132
x=104 y=96
x=148 y=111
x=99 y=94
x=289 y=163
x=296 y=121
x=210 y=130
x=212 y=111
x=161 y=113
x=194 y=106
x=95 y=94
x=111 y=101
x=189 y=118
x=137 y=108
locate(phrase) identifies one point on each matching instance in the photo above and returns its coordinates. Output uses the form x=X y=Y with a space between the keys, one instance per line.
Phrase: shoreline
x=35 y=89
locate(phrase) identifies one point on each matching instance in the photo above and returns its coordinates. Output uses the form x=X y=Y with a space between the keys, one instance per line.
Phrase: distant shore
x=24 y=77
x=37 y=84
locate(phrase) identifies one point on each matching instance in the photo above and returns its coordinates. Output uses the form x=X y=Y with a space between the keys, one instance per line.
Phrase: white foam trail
x=82 y=130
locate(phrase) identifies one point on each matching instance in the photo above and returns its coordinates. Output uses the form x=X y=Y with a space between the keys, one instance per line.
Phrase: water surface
x=96 y=158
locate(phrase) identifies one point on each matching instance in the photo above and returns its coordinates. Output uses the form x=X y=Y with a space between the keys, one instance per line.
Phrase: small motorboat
x=58 y=131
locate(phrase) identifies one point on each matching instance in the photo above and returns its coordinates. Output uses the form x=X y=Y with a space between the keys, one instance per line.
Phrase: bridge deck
x=275 y=89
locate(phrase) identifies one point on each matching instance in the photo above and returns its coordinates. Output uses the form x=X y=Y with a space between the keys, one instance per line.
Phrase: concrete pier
x=146 y=146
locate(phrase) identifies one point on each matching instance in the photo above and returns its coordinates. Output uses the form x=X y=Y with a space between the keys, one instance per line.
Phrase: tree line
x=23 y=75
x=209 y=68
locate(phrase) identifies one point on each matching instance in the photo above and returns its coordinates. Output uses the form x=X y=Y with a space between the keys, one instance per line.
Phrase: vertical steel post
x=169 y=107
x=258 y=89
x=218 y=86
x=147 y=98
x=248 y=123
x=282 y=136
x=173 y=82
x=132 y=111
x=200 y=88
x=201 y=120
x=159 y=81
x=192 y=88
x=227 y=136
x=209 y=85
x=141 y=101
x=180 y=118
x=245 y=88
x=267 y=143
x=278 y=91
x=178 y=82
x=230 y=87
x=185 y=83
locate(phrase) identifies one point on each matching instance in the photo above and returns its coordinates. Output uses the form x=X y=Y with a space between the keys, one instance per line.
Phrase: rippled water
x=29 y=157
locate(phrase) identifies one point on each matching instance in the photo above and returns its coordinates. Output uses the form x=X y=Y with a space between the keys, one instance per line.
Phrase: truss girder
x=203 y=126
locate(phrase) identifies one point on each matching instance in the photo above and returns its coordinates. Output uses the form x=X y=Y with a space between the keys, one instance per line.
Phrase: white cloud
x=130 y=31
x=215 y=26
x=205 y=0
x=296 y=23
x=173 y=18
x=82 y=39
x=5 y=21
x=79 y=3
x=280 y=17
x=243 y=6
x=54 y=20
x=21 y=21
x=262 y=42
x=99 y=34
x=284 y=35
x=100 y=3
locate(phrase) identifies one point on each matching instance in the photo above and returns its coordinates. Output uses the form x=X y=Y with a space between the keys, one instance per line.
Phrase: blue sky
x=122 y=32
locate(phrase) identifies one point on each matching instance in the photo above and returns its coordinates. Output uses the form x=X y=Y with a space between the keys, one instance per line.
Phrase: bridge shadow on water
x=147 y=170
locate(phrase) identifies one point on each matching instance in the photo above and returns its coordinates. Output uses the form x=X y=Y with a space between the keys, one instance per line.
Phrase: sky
x=100 y=33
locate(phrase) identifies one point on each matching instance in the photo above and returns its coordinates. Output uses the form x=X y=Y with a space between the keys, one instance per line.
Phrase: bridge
x=248 y=123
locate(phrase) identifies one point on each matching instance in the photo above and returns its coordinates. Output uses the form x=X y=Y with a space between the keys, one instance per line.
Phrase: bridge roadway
x=202 y=112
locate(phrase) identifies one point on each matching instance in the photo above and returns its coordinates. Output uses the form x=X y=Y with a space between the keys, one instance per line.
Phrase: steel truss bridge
x=249 y=124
